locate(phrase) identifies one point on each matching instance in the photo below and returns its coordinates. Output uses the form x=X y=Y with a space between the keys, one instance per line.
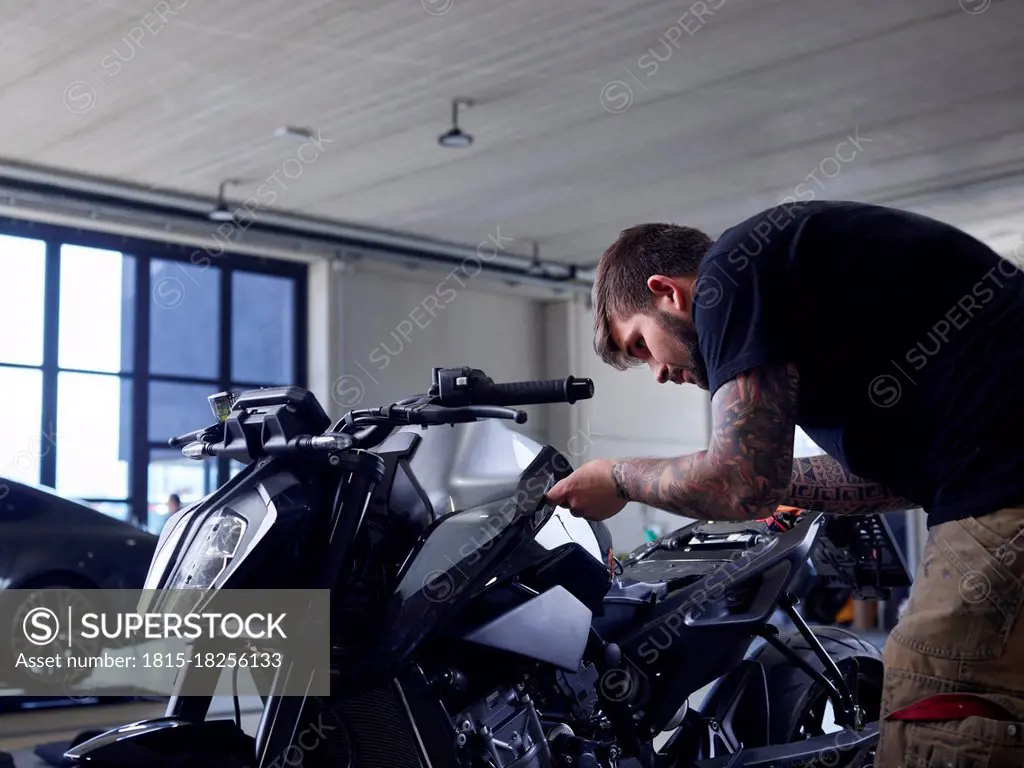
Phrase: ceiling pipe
x=31 y=185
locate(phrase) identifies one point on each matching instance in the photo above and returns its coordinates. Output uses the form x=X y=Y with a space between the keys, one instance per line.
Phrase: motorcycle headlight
x=210 y=552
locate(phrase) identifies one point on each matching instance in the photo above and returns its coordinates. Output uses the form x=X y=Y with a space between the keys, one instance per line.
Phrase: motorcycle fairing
x=264 y=496
x=458 y=557
x=452 y=470
x=551 y=627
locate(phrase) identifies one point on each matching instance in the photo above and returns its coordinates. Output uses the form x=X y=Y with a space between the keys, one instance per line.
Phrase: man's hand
x=589 y=492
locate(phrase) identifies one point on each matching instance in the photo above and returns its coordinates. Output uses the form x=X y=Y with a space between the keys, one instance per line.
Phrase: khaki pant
x=961 y=633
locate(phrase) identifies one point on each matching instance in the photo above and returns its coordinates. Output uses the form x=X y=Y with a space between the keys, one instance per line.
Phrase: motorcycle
x=473 y=624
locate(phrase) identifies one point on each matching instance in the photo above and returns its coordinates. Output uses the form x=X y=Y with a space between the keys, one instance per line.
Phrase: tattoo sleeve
x=821 y=484
x=747 y=468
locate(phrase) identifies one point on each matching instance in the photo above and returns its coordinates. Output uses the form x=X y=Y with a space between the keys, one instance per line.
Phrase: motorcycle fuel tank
x=470 y=465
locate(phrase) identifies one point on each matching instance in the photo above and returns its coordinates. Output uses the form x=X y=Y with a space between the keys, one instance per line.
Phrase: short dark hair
x=620 y=285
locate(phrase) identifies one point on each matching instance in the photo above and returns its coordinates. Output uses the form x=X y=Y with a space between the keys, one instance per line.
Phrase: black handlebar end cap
x=579 y=389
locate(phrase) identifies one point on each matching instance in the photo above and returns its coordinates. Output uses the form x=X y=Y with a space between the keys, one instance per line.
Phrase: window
x=170 y=473
x=263 y=328
x=117 y=345
x=184 y=319
x=175 y=409
x=22 y=296
x=97 y=290
x=93 y=435
x=22 y=443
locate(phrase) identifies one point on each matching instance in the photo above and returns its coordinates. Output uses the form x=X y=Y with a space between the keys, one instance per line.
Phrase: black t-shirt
x=908 y=335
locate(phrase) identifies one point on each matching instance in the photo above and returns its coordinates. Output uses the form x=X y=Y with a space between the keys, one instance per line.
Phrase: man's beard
x=687 y=334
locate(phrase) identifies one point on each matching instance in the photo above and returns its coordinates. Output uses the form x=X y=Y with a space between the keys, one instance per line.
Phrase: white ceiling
x=754 y=96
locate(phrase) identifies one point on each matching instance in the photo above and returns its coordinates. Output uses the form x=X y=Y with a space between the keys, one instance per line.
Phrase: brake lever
x=437 y=415
x=499 y=412
x=196 y=435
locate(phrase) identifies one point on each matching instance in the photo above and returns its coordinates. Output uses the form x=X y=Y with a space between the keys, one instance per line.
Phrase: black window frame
x=145 y=250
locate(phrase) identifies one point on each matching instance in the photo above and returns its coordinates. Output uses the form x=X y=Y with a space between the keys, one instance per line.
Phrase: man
x=897 y=343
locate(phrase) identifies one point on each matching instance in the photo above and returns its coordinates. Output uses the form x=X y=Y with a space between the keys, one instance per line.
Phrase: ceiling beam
x=36 y=193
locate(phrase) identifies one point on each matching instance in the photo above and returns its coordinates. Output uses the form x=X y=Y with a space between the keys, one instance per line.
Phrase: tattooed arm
x=821 y=484
x=746 y=471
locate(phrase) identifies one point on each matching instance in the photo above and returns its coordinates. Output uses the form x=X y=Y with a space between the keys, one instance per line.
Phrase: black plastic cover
x=552 y=627
x=301 y=401
x=264 y=421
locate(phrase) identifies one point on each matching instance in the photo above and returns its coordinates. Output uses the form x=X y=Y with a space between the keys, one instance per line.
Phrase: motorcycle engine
x=504 y=730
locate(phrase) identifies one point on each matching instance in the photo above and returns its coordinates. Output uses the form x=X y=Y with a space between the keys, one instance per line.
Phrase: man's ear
x=672 y=292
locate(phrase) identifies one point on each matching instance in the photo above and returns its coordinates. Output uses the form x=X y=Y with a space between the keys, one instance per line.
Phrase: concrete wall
x=391 y=331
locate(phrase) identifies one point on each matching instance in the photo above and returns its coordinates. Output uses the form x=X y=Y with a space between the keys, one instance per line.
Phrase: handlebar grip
x=567 y=390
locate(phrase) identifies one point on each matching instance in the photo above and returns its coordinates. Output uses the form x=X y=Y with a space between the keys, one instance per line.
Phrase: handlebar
x=454 y=387
x=176 y=442
x=567 y=390
x=289 y=420
x=305 y=443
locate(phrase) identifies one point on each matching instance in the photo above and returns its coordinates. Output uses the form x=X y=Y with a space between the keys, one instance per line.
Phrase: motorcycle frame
x=739 y=703
x=356 y=479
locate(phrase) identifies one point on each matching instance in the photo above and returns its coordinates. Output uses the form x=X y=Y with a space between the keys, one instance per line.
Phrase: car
x=48 y=541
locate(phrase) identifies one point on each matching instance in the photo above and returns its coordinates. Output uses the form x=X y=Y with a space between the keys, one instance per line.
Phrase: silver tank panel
x=467 y=465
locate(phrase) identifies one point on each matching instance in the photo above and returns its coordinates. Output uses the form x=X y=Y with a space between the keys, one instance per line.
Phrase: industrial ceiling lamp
x=294 y=132
x=536 y=269
x=222 y=212
x=455 y=138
